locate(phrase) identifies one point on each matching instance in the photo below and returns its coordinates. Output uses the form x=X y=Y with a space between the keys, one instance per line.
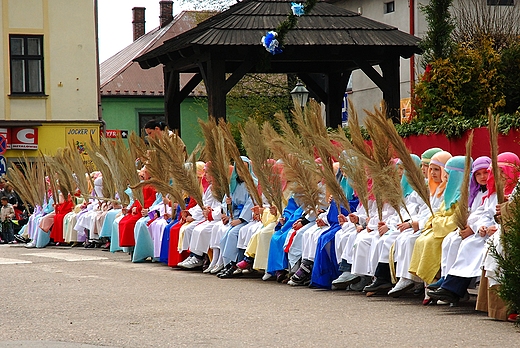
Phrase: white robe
x=351 y=234
x=472 y=250
x=197 y=214
x=201 y=234
x=362 y=258
x=452 y=242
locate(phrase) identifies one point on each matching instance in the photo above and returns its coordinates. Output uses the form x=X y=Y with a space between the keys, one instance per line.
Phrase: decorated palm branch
x=63 y=177
x=116 y=152
x=99 y=157
x=159 y=166
x=352 y=167
x=138 y=149
x=215 y=150
x=51 y=176
x=28 y=181
x=461 y=212
x=241 y=167
x=129 y=160
x=73 y=160
x=310 y=125
x=299 y=165
x=413 y=173
x=385 y=178
x=355 y=133
x=260 y=155
x=493 y=142
x=167 y=163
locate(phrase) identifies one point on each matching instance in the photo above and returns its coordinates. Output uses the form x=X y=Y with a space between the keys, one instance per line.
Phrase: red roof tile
x=120 y=75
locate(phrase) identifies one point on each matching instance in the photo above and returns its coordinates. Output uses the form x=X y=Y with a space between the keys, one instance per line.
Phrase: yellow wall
x=70 y=66
x=56 y=135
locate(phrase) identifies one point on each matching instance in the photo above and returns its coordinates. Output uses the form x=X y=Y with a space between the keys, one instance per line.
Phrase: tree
x=437 y=43
x=209 y=5
x=475 y=20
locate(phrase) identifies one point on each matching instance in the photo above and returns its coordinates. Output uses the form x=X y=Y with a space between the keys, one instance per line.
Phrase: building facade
x=131 y=96
x=49 y=95
x=407 y=16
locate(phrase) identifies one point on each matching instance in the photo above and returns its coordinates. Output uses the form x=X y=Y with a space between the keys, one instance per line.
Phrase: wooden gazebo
x=328 y=42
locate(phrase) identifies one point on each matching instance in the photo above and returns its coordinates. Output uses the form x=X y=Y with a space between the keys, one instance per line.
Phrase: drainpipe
x=96 y=25
x=412 y=58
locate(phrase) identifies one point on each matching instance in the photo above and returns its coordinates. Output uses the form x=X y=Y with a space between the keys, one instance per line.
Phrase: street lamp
x=300 y=94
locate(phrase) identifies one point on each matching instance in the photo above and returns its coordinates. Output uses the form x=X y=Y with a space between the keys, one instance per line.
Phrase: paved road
x=79 y=298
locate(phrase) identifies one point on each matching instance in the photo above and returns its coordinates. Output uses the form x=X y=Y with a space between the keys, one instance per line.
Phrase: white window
x=389 y=7
x=26 y=55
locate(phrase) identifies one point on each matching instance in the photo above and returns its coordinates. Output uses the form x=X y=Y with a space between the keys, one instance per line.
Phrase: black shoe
x=228 y=273
x=443 y=295
x=377 y=285
x=225 y=269
x=281 y=275
x=20 y=238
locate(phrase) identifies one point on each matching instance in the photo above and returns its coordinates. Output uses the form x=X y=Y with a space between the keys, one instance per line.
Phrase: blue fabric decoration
x=297 y=9
x=271 y=43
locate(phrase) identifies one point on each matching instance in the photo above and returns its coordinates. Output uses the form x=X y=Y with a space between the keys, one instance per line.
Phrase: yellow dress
x=258 y=246
x=426 y=256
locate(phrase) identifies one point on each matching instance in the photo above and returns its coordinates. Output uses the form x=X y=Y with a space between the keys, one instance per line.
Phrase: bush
x=510 y=69
x=465 y=84
x=509 y=261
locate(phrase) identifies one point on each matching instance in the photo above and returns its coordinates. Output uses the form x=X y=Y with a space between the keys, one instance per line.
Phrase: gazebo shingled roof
x=329 y=41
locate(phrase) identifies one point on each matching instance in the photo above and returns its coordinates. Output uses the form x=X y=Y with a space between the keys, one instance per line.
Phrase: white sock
x=215 y=258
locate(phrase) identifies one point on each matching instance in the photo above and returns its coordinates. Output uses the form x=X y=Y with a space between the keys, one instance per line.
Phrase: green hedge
x=455 y=126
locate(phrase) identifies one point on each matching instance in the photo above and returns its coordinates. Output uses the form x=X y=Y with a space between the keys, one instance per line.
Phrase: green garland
x=452 y=127
x=291 y=21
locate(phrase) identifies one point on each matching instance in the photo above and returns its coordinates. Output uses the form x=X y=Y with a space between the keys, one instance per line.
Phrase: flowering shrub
x=466 y=84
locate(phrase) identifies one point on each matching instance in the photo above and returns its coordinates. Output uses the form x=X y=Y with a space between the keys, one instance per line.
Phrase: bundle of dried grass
x=259 y=153
x=299 y=167
x=25 y=182
x=355 y=132
x=115 y=150
x=128 y=168
x=313 y=128
x=99 y=157
x=169 y=149
x=386 y=182
x=461 y=212
x=73 y=160
x=413 y=173
x=241 y=168
x=352 y=167
x=50 y=174
x=215 y=150
x=138 y=148
x=493 y=142
x=62 y=173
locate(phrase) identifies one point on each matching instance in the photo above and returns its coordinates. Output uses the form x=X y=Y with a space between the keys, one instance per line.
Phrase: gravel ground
x=86 y=297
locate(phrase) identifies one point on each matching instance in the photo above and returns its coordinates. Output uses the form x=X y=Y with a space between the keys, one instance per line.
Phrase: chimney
x=138 y=22
x=166 y=12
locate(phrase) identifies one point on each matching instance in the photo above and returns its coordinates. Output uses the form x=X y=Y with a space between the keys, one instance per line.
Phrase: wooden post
x=216 y=88
x=392 y=94
x=172 y=106
x=337 y=85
